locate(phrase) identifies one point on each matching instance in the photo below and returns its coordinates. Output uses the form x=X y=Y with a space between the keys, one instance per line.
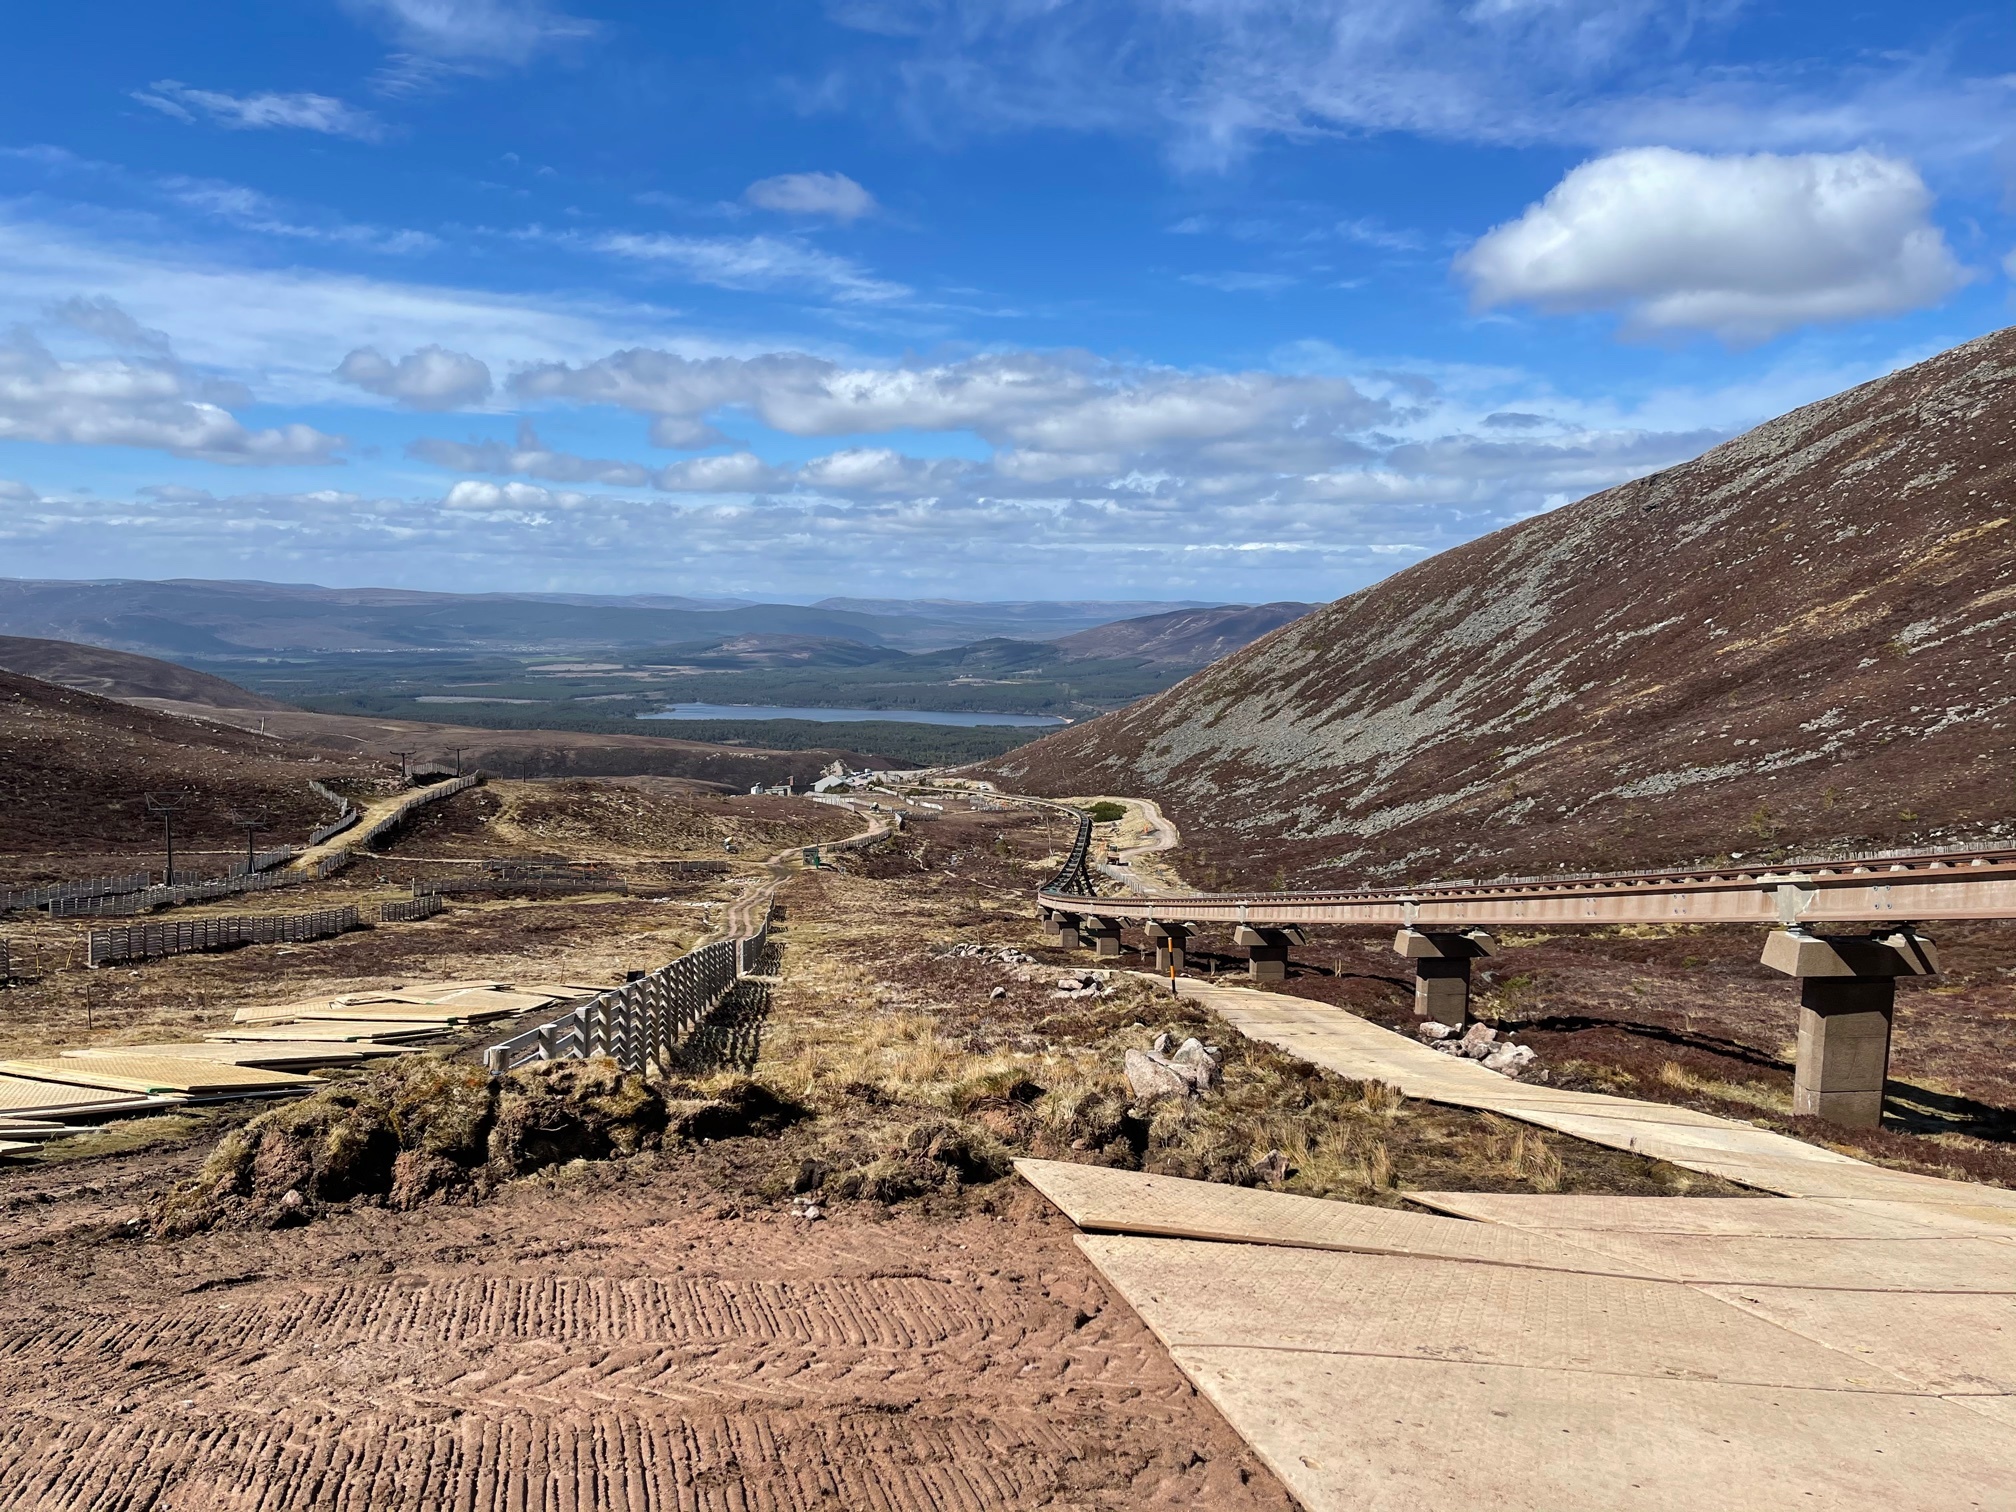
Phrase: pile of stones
x=1188 y=1070
x=1480 y=1043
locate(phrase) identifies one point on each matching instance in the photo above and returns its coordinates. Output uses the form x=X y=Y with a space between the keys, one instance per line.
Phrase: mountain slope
x=123 y=674
x=1187 y=638
x=1804 y=636
x=75 y=770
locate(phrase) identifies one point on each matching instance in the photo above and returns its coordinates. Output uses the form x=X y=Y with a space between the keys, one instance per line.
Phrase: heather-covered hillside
x=1803 y=637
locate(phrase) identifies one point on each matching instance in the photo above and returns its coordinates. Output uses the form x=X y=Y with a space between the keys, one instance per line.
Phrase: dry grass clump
x=923 y=1084
x=418 y=1128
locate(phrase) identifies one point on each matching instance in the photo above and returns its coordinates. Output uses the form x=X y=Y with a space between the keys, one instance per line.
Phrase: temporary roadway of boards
x=1848 y=1346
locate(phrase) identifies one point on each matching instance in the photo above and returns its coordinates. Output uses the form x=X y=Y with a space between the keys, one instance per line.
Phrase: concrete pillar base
x=1061 y=930
x=1442 y=960
x=1847 y=999
x=1168 y=940
x=1105 y=937
x=1267 y=951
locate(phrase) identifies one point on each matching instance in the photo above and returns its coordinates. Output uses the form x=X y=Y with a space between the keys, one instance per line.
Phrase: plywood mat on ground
x=297 y=1053
x=160 y=1073
x=1101 y=1200
x=1381 y=1382
x=1342 y=1042
x=347 y=1030
x=1362 y=1434
x=22 y=1094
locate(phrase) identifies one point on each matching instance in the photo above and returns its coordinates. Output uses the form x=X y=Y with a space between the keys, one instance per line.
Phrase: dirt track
x=605 y=1339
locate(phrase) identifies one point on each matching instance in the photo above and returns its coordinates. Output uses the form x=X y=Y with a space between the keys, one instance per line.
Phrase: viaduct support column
x=1061 y=930
x=1442 y=960
x=1169 y=940
x=1847 y=992
x=1105 y=937
x=1267 y=950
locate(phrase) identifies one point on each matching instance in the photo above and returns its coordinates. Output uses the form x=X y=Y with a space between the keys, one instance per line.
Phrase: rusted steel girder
x=1915 y=887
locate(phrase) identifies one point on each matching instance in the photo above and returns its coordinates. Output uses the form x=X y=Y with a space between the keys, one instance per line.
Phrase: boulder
x=1197 y=1065
x=1151 y=1078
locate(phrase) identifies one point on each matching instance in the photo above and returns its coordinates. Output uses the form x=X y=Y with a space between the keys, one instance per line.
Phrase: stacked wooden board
x=264 y=1053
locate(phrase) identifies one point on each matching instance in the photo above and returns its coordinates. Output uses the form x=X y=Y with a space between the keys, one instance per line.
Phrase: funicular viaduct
x=1847 y=977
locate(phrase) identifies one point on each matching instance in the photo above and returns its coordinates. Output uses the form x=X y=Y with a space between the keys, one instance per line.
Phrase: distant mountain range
x=1186 y=638
x=220 y=620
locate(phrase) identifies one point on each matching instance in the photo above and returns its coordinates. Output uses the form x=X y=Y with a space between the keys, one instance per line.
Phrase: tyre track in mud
x=521 y=1462
x=616 y=1344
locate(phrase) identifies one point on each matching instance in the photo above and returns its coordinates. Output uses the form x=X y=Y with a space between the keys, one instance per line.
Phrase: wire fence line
x=127 y=904
x=385 y=823
x=146 y=942
x=84 y=887
x=409 y=910
x=638 y=1024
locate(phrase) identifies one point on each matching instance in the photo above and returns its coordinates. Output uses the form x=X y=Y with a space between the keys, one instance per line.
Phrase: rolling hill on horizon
x=218 y=619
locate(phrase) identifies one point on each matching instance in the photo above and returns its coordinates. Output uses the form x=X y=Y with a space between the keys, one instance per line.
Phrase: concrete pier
x=1442 y=960
x=1061 y=930
x=1169 y=941
x=1267 y=950
x=1847 y=997
x=1105 y=937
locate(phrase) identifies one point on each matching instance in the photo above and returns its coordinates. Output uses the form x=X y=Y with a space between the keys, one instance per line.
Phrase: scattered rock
x=1478 y=1034
x=1508 y=1059
x=998 y=993
x=1197 y=1064
x=1272 y=1168
x=1151 y=1078
x=1163 y=1042
x=1433 y=1029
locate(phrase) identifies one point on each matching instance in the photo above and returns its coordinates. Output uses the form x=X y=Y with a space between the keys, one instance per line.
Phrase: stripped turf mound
x=418 y=1128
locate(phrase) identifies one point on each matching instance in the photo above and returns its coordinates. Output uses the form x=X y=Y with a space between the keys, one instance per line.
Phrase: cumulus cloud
x=830 y=194
x=501 y=31
x=137 y=397
x=1745 y=247
x=530 y=458
x=257 y=112
x=757 y=263
x=432 y=378
x=1055 y=415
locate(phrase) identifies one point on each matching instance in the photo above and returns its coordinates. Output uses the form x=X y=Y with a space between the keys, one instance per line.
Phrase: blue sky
x=1233 y=299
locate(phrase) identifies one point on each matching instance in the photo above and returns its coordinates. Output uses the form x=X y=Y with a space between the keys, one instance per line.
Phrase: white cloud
x=249 y=210
x=1098 y=413
x=503 y=31
x=301 y=112
x=738 y=472
x=832 y=194
x=1744 y=247
x=531 y=458
x=286 y=328
x=139 y=397
x=1215 y=73
x=755 y=263
x=1210 y=76
x=432 y=378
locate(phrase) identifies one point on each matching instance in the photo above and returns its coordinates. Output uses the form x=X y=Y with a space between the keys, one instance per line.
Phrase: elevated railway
x=1847 y=980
